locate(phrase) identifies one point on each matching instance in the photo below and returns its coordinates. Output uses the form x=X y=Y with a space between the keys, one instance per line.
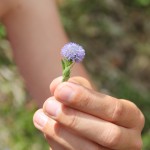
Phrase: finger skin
x=53 y=144
x=77 y=80
x=54 y=84
x=115 y=114
x=102 y=132
x=120 y=112
x=63 y=137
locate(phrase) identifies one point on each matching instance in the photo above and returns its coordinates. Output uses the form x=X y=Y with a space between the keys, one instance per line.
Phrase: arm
x=36 y=36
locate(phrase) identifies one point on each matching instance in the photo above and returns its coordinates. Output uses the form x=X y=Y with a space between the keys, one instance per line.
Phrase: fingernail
x=52 y=107
x=40 y=119
x=65 y=93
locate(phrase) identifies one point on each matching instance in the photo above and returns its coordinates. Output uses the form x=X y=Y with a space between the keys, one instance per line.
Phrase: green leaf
x=68 y=63
x=63 y=64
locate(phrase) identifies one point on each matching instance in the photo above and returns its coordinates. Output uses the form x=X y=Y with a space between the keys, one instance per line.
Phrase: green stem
x=67 y=65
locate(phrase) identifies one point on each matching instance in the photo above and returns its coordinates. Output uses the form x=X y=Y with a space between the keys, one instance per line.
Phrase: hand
x=79 y=118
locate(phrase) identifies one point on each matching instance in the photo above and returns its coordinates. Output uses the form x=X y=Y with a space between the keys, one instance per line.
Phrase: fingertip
x=50 y=106
x=35 y=114
x=54 y=84
x=66 y=91
x=40 y=119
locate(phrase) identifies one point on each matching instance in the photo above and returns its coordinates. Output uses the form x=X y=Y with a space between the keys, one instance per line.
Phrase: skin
x=115 y=124
x=36 y=36
x=88 y=120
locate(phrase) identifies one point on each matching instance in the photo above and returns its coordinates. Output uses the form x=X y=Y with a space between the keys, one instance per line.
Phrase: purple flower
x=73 y=52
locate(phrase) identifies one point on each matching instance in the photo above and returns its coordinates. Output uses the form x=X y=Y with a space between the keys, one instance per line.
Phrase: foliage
x=2 y=31
x=143 y=2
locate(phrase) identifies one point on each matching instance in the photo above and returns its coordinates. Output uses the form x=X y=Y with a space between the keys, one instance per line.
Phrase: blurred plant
x=143 y=2
x=146 y=140
x=2 y=31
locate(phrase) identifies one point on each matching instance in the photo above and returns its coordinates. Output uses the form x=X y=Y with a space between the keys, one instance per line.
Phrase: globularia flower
x=73 y=52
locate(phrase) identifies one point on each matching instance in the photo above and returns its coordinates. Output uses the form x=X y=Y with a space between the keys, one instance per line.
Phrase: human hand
x=79 y=118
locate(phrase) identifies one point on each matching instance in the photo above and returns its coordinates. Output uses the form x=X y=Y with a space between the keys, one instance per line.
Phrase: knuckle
x=141 y=120
x=87 y=100
x=55 y=131
x=136 y=111
x=134 y=107
x=113 y=137
x=138 y=114
x=84 y=98
x=73 y=122
x=117 y=111
x=138 y=144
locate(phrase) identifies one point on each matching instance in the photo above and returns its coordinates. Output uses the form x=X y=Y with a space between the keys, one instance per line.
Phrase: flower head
x=73 y=52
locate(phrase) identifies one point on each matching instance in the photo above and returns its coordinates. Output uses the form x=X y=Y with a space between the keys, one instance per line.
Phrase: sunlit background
x=116 y=35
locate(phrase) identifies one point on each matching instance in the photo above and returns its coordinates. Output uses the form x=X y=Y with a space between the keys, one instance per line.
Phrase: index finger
x=77 y=79
x=120 y=112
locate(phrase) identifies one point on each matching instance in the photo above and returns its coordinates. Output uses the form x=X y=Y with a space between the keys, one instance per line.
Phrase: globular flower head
x=73 y=52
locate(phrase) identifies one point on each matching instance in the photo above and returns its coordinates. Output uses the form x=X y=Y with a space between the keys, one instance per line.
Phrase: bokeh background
x=116 y=35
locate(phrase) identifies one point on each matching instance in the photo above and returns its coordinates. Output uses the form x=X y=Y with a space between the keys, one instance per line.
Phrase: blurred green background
x=116 y=35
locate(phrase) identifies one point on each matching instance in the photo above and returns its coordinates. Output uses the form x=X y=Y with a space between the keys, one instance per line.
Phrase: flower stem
x=67 y=65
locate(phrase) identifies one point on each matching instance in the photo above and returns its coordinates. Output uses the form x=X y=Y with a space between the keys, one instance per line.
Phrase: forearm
x=6 y=6
x=36 y=35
